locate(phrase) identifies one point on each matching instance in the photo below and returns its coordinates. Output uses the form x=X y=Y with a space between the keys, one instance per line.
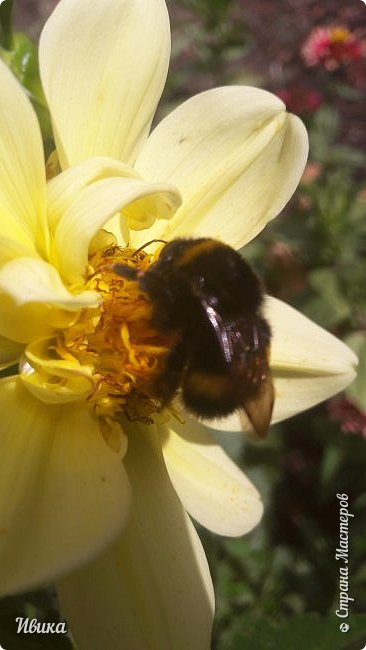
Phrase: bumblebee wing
x=221 y=331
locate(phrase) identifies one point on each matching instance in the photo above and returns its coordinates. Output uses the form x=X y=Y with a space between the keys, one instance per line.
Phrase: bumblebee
x=205 y=292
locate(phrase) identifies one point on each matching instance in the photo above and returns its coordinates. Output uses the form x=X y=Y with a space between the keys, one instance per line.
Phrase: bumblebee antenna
x=152 y=241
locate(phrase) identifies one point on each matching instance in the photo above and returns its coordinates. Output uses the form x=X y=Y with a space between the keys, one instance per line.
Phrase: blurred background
x=279 y=586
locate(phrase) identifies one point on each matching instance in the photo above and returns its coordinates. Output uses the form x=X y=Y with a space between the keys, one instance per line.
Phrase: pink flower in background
x=332 y=46
x=349 y=416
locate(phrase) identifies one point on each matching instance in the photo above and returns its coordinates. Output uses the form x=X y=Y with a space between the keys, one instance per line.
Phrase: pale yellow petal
x=211 y=487
x=22 y=172
x=103 y=68
x=34 y=301
x=29 y=280
x=236 y=157
x=234 y=422
x=53 y=379
x=308 y=365
x=64 y=493
x=73 y=388
x=300 y=345
x=24 y=323
x=295 y=394
x=14 y=241
x=138 y=200
x=152 y=590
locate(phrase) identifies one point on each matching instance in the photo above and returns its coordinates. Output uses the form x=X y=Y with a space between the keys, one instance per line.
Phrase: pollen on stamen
x=119 y=340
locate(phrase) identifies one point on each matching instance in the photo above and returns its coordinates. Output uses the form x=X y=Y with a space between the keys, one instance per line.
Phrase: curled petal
x=104 y=93
x=156 y=576
x=235 y=155
x=64 y=189
x=52 y=379
x=211 y=487
x=64 y=493
x=97 y=204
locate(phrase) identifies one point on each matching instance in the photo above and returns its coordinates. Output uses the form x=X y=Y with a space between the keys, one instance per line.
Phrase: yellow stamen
x=119 y=339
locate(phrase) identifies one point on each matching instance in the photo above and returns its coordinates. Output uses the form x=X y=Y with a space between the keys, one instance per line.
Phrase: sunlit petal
x=22 y=173
x=212 y=488
x=64 y=493
x=156 y=577
x=104 y=91
x=235 y=155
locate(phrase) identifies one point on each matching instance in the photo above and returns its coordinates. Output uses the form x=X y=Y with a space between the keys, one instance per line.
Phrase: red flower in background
x=332 y=46
x=300 y=99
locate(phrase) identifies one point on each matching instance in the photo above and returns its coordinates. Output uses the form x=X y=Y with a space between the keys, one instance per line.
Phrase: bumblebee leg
x=127 y=272
x=167 y=384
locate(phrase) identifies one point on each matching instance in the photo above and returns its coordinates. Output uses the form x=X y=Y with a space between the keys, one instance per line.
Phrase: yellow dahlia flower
x=95 y=483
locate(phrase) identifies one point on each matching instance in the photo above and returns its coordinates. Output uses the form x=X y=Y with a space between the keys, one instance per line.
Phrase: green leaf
x=6 y=28
x=23 y=62
x=357 y=390
x=303 y=632
x=330 y=307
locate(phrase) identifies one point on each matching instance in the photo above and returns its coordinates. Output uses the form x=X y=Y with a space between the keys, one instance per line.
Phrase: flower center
x=125 y=349
x=112 y=355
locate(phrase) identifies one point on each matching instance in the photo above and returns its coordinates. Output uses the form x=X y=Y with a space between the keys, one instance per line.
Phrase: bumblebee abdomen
x=209 y=394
